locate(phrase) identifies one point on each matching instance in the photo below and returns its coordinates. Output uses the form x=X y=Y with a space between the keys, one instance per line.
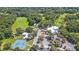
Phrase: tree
x=72 y=26
x=7 y=33
x=34 y=48
x=19 y=31
x=72 y=23
x=17 y=49
x=77 y=46
x=6 y=46
x=1 y=37
x=44 y=23
x=29 y=29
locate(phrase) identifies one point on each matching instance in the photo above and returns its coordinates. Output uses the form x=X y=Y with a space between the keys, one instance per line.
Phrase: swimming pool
x=19 y=43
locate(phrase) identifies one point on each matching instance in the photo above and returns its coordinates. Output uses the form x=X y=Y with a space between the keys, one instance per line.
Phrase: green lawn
x=28 y=45
x=30 y=42
x=6 y=41
x=21 y=22
x=9 y=40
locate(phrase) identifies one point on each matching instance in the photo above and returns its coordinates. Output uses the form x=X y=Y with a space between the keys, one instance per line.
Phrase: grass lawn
x=30 y=42
x=6 y=41
x=10 y=40
x=28 y=45
x=21 y=22
x=27 y=48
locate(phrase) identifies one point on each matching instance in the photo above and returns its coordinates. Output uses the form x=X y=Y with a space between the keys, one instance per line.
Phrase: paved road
x=36 y=38
x=70 y=46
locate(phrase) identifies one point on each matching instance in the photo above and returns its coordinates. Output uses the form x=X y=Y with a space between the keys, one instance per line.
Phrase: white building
x=25 y=34
x=53 y=29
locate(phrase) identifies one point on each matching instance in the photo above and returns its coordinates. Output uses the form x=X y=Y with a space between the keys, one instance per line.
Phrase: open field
x=21 y=22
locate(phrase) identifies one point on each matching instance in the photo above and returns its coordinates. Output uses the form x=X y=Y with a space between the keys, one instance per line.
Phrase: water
x=19 y=43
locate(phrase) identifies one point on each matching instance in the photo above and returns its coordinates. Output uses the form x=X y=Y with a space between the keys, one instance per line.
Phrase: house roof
x=25 y=33
x=54 y=29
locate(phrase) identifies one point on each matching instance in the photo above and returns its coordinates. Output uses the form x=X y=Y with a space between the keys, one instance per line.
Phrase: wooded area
x=66 y=18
